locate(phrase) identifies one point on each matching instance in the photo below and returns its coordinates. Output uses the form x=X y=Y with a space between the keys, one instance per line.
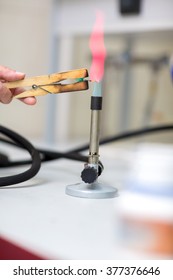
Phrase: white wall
x=25 y=30
x=151 y=33
x=79 y=15
x=25 y=43
x=147 y=45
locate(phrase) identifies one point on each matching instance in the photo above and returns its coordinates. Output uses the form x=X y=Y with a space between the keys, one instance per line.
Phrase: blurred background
x=46 y=36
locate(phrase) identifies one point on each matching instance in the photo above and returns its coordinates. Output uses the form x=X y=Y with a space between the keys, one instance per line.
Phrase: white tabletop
x=39 y=216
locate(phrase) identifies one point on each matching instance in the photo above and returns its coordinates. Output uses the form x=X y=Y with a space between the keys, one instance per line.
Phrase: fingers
x=8 y=74
x=27 y=100
x=5 y=94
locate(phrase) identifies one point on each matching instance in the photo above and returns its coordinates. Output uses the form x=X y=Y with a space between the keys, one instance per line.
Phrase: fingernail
x=19 y=73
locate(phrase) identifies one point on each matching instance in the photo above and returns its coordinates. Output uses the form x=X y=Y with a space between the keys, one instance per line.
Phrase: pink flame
x=97 y=49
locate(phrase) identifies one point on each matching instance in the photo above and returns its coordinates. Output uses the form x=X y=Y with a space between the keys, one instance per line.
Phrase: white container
x=146 y=203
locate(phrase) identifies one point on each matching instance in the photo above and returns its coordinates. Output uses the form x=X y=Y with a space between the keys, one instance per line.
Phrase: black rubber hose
x=74 y=154
x=38 y=155
x=35 y=156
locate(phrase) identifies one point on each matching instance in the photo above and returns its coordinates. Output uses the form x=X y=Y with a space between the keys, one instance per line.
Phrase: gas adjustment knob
x=89 y=174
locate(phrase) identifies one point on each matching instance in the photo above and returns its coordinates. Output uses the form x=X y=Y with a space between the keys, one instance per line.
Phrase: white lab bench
x=38 y=216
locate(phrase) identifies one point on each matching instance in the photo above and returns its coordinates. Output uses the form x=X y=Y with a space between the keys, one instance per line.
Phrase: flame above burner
x=97 y=49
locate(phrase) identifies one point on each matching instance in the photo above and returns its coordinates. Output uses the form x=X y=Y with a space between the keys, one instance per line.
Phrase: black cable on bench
x=42 y=155
x=35 y=159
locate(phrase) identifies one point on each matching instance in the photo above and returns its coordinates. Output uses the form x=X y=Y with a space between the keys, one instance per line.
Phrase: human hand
x=6 y=95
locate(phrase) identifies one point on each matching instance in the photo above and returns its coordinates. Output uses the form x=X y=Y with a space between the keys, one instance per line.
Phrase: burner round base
x=95 y=190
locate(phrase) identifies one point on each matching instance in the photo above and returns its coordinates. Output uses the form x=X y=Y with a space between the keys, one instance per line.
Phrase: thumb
x=8 y=74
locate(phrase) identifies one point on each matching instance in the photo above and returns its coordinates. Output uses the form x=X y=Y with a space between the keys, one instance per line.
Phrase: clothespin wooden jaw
x=42 y=85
